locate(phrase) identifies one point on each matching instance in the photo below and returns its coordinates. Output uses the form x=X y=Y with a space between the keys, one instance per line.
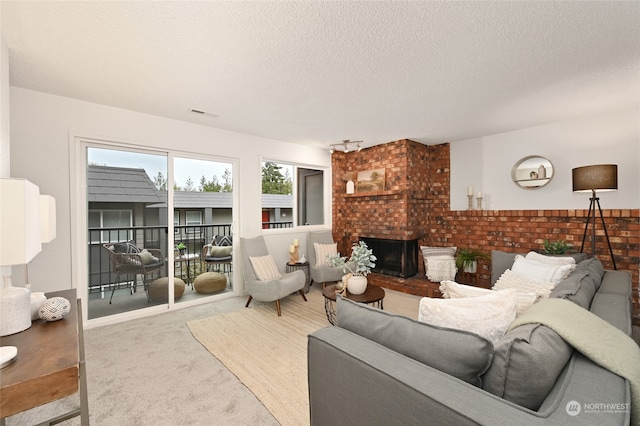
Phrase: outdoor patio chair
x=127 y=259
x=218 y=254
x=261 y=285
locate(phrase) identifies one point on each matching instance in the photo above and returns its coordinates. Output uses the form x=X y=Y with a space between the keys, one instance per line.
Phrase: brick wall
x=415 y=204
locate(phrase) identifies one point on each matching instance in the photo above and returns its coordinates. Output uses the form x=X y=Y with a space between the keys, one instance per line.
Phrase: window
x=110 y=219
x=193 y=217
x=292 y=195
x=176 y=221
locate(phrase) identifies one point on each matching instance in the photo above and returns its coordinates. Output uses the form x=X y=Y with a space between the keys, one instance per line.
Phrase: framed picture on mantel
x=370 y=180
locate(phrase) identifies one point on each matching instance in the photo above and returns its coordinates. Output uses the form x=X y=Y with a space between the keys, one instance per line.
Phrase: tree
x=210 y=186
x=227 y=181
x=273 y=181
x=188 y=185
x=160 y=182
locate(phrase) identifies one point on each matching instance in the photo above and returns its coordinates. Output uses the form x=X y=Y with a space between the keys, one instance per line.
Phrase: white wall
x=41 y=125
x=485 y=163
x=4 y=109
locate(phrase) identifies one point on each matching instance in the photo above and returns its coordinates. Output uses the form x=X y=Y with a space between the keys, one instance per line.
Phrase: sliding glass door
x=141 y=242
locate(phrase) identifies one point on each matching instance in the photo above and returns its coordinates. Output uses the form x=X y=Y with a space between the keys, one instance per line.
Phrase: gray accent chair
x=267 y=291
x=323 y=274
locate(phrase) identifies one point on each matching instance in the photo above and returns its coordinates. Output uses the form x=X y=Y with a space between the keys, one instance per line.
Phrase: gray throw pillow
x=526 y=363
x=459 y=353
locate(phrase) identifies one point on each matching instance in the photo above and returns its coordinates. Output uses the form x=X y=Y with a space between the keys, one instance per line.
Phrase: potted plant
x=362 y=259
x=181 y=247
x=556 y=247
x=467 y=260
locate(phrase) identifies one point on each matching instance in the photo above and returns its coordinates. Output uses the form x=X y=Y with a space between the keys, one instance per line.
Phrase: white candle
x=479 y=195
x=296 y=242
x=291 y=249
x=470 y=190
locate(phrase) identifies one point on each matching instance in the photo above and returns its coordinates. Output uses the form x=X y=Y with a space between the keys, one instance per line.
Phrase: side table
x=290 y=267
x=50 y=365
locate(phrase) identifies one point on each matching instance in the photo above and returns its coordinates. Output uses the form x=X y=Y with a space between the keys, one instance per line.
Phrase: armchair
x=322 y=273
x=127 y=259
x=267 y=290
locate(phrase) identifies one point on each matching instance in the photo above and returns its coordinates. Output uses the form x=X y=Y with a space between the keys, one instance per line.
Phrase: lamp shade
x=599 y=177
x=20 y=221
x=48 y=218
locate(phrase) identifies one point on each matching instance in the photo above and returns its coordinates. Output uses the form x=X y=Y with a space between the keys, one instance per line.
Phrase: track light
x=344 y=145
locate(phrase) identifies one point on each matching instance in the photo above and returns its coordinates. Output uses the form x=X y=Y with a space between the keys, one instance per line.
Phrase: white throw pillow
x=510 y=279
x=453 y=290
x=441 y=268
x=541 y=271
x=265 y=268
x=428 y=251
x=147 y=257
x=488 y=316
x=551 y=260
x=322 y=250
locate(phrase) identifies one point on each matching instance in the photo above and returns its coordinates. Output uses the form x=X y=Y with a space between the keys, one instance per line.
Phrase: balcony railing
x=194 y=237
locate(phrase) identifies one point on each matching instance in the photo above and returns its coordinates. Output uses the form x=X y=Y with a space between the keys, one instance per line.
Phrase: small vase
x=471 y=268
x=357 y=284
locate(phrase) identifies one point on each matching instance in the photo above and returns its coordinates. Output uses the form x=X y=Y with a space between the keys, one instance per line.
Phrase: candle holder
x=293 y=255
x=479 y=201
x=470 y=197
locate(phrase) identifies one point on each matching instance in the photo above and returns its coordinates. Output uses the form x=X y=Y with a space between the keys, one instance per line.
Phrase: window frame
x=326 y=196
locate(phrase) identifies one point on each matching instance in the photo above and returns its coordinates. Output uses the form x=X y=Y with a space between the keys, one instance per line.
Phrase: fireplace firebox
x=397 y=258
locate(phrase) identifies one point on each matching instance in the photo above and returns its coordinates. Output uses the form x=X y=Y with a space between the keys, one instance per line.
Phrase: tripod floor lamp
x=599 y=177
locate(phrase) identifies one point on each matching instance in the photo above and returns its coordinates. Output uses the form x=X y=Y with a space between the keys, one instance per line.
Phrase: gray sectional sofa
x=376 y=368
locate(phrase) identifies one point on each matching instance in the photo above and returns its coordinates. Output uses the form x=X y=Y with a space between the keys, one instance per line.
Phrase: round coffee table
x=373 y=295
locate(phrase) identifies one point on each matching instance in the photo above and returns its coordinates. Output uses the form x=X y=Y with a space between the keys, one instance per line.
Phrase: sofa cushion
x=542 y=271
x=488 y=316
x=510 y=279
x=453 y=290
x=459 y=353
x=582 y=284
x=526 y=363
x=594 y=268
x=265 y=268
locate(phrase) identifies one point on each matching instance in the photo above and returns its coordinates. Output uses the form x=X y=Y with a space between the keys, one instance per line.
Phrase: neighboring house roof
x=128 y=185
x=120 y=185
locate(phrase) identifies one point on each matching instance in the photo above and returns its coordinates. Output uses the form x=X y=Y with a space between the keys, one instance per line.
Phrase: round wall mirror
x=532 y=172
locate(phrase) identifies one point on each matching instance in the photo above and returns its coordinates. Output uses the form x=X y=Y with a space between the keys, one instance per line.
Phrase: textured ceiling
x=319 y=72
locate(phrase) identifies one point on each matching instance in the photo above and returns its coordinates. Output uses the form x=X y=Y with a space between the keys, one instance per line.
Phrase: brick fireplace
x=414 y=205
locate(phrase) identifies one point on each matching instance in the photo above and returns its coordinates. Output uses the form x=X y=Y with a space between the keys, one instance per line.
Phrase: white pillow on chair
x=265 y=268
x=322 y=250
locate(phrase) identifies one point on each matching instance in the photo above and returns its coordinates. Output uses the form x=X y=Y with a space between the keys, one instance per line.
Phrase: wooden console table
x=50 y=365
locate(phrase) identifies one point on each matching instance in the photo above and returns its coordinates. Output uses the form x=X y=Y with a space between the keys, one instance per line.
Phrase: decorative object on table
x=8 y=354
x=371 y=180
x=557 y=247
x=293 y=251
x=479 y=200
x=15 y=308
x=302 y=259
x=533 y=175
x=363 y=259
x=598 y=177
x=37 y=298
x=54 y=309
x=467 y=260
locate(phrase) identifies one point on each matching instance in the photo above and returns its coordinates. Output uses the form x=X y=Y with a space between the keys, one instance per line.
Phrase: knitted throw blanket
x=592 y=336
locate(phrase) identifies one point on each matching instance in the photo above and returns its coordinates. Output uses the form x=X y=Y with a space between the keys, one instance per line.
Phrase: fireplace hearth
x=397 y=258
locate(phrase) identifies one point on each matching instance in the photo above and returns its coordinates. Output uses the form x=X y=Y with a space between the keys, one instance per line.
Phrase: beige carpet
x=269 y=353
